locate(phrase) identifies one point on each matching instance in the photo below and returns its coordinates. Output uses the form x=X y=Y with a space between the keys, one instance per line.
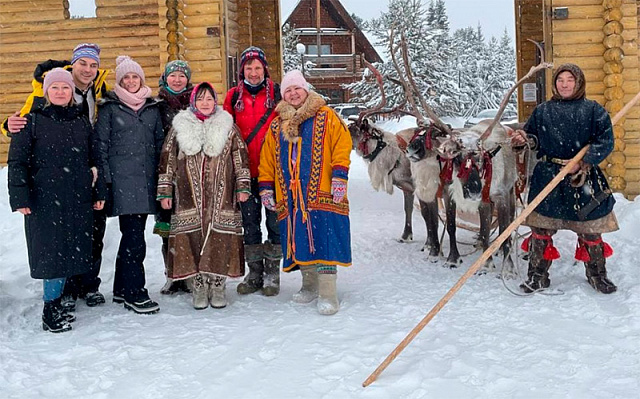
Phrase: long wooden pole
x=478 y=263
x=625 y=109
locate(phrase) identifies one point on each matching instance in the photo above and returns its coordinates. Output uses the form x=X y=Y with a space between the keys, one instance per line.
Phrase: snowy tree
x=426 y=32
x=291 y=58
x=360 y=23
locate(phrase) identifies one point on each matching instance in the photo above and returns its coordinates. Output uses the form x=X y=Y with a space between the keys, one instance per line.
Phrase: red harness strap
x=550 y=252
x=487 y=174
x=581 y=249
x=446 y=175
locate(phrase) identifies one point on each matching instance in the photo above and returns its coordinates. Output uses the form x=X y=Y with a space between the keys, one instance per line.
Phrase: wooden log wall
x=529 y=25
x=34 y=31
x=601 y=36
x=266 y=33
x=203 y=41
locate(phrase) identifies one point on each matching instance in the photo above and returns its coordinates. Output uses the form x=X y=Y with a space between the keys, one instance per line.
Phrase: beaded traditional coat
x=203 y=165
x=303 y=151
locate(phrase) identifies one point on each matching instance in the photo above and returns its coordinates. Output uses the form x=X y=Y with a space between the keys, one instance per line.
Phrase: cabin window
x=80 y=9
x=312 y=49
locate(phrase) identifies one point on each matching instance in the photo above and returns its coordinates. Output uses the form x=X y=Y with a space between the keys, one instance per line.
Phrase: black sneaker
x=142 y=306
x=118 y=298
x=68 y=303
x=94 y=299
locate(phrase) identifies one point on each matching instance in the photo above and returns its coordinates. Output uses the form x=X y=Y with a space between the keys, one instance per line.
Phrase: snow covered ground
x=486 y=343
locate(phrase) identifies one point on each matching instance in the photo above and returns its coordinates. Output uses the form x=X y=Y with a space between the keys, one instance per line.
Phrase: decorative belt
x=555 y=160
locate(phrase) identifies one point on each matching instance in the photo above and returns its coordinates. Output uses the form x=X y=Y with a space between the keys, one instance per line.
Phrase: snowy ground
x=486 y=343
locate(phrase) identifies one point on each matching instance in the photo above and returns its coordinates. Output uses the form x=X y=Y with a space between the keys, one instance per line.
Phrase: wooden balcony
x=332 y=65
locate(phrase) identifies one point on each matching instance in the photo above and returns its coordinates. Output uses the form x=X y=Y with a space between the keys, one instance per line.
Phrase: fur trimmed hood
x=209 y=135
x=292 y=118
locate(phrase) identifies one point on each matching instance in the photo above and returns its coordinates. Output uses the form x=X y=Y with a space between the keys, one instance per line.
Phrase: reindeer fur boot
x=538 y=273
x=327 y=294
x=596 y=271
x=254 y=254
x=272 y=258
x=217 y=294
x=200 y=292
x=309 y=290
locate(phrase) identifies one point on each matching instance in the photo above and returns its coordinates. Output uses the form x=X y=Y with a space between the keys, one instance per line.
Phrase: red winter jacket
x=254 y=109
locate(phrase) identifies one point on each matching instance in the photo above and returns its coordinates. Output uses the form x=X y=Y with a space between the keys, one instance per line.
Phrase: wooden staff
x=625 y=109
x=478 y=263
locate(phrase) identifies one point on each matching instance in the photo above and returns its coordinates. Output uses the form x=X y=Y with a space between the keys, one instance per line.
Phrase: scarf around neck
x=136 y=100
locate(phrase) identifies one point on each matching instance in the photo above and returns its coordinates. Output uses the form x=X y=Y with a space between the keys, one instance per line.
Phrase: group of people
x=80 y=152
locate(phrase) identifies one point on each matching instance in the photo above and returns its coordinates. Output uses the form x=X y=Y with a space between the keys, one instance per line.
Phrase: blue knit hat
x=86 y=50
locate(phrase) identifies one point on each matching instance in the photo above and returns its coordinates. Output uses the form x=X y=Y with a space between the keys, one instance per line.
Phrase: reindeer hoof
x=452 y=264
x=433 y=258
x=406 y=238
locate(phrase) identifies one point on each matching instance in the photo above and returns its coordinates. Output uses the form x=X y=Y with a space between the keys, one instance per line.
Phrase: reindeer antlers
x=383 y=102
x=505 y=99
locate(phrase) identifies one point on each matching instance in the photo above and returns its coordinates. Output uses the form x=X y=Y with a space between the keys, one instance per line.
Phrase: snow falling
x=486 y=343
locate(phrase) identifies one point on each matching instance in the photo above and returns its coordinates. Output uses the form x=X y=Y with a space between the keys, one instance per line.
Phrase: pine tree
x=291 y=58
x=426 y=32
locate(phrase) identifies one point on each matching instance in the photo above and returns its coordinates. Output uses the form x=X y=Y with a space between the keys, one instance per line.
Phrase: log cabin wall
x=601 y=36
x=34 y=31
x=203 y=32
x=266 y=33
x=529 y=26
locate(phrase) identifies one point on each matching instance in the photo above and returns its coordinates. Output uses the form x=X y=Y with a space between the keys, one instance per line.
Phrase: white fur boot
x=217 y=295
x=199 y=292
x=309 y=290
x=327 y=295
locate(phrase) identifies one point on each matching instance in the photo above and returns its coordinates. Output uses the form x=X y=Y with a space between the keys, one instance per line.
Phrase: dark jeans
x=129 y=280
x=82 y=284
x=252 y=219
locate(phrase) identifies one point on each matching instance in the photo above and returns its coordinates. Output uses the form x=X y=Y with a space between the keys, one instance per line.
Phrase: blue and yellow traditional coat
x=303 y=151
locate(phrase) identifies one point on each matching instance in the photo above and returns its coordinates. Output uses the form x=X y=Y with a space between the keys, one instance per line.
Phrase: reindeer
x=388 y=165
x=478 y=172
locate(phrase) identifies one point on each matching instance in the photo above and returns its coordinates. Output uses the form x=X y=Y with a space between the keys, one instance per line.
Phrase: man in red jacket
x=252 y=105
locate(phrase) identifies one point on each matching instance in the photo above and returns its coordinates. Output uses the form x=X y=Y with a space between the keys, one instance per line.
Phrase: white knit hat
x=293 y=78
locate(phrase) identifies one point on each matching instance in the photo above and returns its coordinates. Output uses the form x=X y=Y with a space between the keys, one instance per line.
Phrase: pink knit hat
x=293 y=78
x=57 y=75
x=125 y=65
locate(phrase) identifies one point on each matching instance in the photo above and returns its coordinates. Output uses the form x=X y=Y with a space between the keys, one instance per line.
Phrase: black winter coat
x=129 y=145
x=561 y=128
x=172 y=104
x=49 y=172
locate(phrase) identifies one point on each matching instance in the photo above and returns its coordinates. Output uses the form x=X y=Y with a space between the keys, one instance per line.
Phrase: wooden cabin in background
x=341 y=45
x=601 y=36
x=209 y=34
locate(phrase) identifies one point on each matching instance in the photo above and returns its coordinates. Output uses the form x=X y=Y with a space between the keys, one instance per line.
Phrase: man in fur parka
x=582 y=202
x=204 y=168
x=304 y=165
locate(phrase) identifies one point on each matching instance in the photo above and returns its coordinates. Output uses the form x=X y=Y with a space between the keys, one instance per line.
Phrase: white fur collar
x=209 y=135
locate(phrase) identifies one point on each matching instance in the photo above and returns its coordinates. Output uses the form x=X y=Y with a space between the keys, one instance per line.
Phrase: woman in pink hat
x=304 y=165
x=53 y=182
x=130 y=138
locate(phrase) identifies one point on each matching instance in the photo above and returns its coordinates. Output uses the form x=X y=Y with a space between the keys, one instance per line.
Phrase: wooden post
x=318 y=22
x=478 y=263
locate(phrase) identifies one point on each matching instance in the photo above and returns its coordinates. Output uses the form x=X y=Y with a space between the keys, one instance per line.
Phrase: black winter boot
x=254 y=255
x=53 y=319
x=273 y=256
x=596 y=271
x=538 y=273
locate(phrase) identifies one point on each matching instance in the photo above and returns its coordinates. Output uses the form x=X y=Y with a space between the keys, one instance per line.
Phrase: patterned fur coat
x=304 y=150
x=203 y=165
